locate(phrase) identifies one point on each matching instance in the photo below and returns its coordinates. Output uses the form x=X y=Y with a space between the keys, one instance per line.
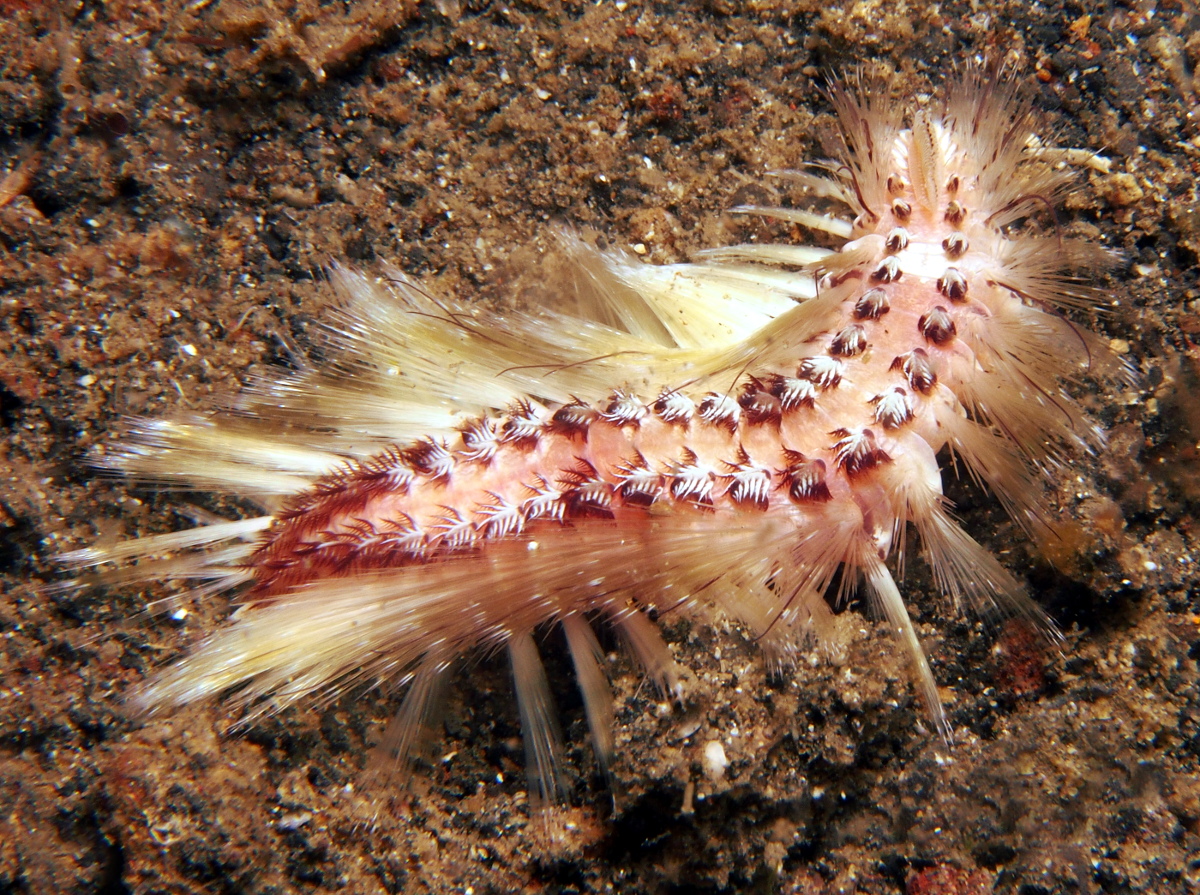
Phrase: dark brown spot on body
x=759 y=403
x=793 y=392
x=937 y=326
x=624 y=409
x=953 y=284
x=858 y=452
x=720 y=410
x=887 y=272
x=573 y=419
x=955 y=245
x=871 y=305
x=804 y=478
x=675 y=407
x=850 y=341
x=917 y=369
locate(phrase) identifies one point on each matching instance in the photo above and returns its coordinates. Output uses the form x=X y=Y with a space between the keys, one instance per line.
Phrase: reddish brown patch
x=10 y=7
x=733 y=107
x=391 y=69
x=944 y=879
x=665 y=106
x=1020 y=660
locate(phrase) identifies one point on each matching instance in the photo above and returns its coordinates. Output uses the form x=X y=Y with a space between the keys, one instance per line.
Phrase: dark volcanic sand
x=179 y=179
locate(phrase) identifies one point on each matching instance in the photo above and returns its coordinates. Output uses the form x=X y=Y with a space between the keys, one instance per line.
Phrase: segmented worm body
x=730 y=433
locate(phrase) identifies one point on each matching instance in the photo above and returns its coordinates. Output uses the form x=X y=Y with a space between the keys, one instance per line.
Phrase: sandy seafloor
x=179 y=175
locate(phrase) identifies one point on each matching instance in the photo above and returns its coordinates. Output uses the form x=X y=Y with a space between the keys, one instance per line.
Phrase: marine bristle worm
x=755 y=422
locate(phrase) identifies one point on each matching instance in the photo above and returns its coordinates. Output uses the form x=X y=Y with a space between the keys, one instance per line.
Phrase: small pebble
x=715 y=762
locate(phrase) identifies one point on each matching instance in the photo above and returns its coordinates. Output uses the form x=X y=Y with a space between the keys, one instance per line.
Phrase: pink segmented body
x=782 y=439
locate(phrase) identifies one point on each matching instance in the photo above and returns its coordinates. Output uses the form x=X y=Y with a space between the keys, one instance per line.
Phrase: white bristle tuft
x=543 y=743
x=593 y=684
